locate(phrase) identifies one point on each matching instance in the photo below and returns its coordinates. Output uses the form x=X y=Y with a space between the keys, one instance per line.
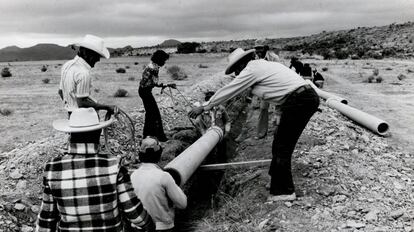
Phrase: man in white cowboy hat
x=76 y=82
x=84 y=190
x=278 y=85
x=155 y=187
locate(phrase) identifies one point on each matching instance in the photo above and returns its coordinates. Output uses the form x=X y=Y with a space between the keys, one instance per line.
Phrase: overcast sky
x=144 y=23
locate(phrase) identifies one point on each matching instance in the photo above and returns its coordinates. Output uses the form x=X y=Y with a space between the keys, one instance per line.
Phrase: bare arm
x=174 y=192
x=84 y=102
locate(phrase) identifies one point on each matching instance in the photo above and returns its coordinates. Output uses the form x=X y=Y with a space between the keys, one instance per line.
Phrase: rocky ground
x=347 y=179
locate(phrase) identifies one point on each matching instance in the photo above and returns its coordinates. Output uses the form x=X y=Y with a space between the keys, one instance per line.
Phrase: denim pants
x=296 y=112
x=153 y=122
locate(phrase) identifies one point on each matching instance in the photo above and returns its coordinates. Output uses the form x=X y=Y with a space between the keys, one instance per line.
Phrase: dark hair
x=208 y=95
x=150 y=156
x=86 y=137
x=159 y=57
x=86 y=52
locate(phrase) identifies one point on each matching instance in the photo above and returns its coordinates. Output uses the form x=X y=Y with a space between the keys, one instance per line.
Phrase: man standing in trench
x=76 y=81
x=281 y=86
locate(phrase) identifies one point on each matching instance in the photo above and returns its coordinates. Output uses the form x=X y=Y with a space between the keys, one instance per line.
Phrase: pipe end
x=383 y=128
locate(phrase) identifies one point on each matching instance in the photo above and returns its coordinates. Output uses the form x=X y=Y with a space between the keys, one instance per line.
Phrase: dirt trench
x=202 y=187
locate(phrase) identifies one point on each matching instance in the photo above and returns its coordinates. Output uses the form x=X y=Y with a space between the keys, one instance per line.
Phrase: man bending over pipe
x=156 y=188
x=281 y=86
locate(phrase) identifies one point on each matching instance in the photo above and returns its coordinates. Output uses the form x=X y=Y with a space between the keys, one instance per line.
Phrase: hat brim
x=230 y=66
x=63 y=125
x=105 y=53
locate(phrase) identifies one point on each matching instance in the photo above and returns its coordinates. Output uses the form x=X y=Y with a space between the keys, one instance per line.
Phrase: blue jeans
x=296 y=112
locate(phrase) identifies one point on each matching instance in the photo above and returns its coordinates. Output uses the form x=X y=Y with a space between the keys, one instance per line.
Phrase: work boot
x=288 y=197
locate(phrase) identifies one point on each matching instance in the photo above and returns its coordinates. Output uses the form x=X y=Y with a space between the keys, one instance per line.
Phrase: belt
x=301 y=89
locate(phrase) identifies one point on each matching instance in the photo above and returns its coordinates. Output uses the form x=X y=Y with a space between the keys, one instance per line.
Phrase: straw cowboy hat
x=259 y=43
x=236 y=56
x=81 y=120
x=150 y=142
x=95 y=44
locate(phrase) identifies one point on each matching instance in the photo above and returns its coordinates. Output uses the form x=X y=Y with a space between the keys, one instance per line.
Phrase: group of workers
x=86 y=190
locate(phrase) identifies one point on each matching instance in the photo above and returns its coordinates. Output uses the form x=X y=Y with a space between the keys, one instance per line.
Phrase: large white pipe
x=373 y=123
x=325 y=95
x=184 y=165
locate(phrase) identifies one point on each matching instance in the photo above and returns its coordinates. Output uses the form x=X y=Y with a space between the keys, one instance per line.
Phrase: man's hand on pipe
x=195 y=111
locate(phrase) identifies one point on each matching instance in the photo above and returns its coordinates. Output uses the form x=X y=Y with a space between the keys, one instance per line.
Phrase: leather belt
x=301 y=89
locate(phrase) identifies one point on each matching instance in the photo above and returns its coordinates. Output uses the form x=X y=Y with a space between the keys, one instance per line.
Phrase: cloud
x=155 y=20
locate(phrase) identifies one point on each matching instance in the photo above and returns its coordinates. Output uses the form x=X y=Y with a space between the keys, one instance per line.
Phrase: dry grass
x=5 y=72
x=6 y=112
x=176 y=73
x=45 y=80
x=202 y=66
x=121 y=93
x=120 y=70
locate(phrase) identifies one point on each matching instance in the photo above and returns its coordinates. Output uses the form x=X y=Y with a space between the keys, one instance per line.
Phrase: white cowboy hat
x=234 y=57
x=81 y=120
x=95 y=44
x=150 y=142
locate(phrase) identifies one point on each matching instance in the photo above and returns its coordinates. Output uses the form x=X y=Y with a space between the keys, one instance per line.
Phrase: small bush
x=370 y=79
x=131 y=78
x=121 y=93
x=5 y=112
x=5 y=72
x=325 y=69
x=127 y=67
x=388 y=69
x=379 y=79
x=409 y=71
x=46 y=80
x=375 y=72
x=44 y=68
x=120 y=70
x=176 y=73
x=401 y=77
x=202 y=66
x=96 y=90
x=136 y=63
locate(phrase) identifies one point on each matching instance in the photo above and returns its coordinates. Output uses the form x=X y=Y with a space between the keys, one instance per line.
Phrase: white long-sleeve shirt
x=271 y=81
x=156 y=189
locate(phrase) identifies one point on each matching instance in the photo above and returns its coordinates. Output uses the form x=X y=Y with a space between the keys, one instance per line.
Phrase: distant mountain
x=37 y=52
x=170 y=43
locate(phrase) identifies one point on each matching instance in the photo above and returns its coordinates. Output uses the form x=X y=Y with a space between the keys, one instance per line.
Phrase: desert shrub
x=370 y=79
x=187 y=47
x=341 y=54
x=127 y=67
x=131 y=78
x=379 y=79
x=121 y=93
x=409 y=71
x=176 y=73
x=202 y=66
x=136 y=63
x=45 y=80
x=96 y=90
x=6 y=112
x=388 y=69
x=5 y=72
x=325 y=69
x=401 y=77
x=44 y=68
x=375 y=72
x=120 y=70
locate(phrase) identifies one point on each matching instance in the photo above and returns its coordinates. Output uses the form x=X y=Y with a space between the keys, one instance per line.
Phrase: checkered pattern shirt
x=87 y=191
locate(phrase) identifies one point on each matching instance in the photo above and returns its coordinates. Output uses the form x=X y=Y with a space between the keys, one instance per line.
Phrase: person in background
x=156 y=188
x=278 y=85
x=306 y=72
x=294 y=62
x=85 y=190
x=318 y=79
x=153 y=122
x=76 y=81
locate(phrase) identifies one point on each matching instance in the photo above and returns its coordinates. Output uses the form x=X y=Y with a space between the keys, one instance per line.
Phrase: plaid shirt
x=85 y=191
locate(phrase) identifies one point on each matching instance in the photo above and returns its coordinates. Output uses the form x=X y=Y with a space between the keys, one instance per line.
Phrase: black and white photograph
x=207 y=115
